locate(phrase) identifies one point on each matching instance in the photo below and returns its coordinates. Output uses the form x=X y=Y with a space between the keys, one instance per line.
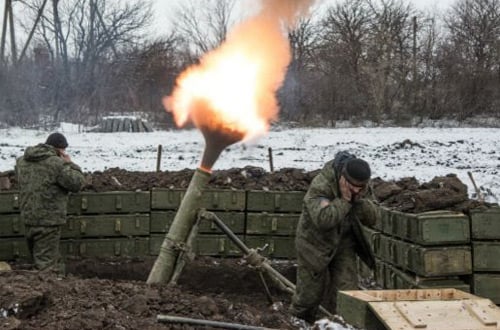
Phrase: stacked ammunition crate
x=272 y=218
x=108 y=224
x=99 y=224
x=485 y=233
x=425 y=250
x=12 y=242
x=228 y=205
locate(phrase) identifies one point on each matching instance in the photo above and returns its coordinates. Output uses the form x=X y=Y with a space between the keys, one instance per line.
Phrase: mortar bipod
x=258 y=261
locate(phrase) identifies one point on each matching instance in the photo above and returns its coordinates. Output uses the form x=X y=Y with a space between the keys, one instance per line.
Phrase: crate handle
x=277 y=201
x=83 y=226
x=83 y=249
x=85 y=203
x=222 y=247
x=16 y=224
x=119 y=204
x=215 y=199
x=274 y=224
x=118 y=225
x=117 y=248
x=15 y=202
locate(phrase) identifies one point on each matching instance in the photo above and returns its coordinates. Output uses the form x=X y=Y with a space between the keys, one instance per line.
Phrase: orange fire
x=233 y=87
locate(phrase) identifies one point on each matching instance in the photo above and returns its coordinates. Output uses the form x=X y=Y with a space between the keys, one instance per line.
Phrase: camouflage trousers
x=43 y=245
x=313 y=289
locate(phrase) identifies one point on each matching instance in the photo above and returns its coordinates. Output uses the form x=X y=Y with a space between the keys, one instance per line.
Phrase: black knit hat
x=57 y=140
x=357 y=172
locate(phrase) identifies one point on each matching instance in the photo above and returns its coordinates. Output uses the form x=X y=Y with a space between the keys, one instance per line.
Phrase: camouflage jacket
x=45 y=180
x=326 y=217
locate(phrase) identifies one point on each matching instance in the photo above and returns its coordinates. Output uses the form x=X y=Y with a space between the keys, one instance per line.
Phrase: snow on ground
x=392 y=152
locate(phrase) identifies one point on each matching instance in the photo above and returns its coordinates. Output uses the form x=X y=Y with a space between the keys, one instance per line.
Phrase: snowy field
x=392 y=152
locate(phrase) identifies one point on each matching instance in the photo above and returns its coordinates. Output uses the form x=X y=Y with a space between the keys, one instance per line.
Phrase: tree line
x=355 y=59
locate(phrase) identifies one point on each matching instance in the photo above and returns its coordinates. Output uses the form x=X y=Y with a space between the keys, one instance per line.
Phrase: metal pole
x=271 y=165
x=480 y=196
x=214 y=324
x=158 y=158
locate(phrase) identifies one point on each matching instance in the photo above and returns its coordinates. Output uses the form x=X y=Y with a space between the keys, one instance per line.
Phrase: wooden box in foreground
x=430 y=309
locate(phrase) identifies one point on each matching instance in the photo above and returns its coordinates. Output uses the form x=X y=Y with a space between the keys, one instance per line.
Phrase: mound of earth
x=113 y=294
x=406 y=194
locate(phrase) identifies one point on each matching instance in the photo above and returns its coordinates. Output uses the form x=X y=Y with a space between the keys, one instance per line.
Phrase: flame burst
x=233 y=87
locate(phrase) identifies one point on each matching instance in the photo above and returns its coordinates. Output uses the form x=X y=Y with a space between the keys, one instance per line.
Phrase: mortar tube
x=178 y=233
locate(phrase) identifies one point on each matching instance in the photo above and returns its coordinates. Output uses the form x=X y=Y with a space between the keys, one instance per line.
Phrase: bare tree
x=471 y=56
x=204 y=24
x=297 y=94
x=343 y=54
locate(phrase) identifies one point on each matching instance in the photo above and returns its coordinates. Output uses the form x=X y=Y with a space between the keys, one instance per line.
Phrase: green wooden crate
x=485 y=223
x=372 y=236
x=429 y=228
x=384 y=214
x=485 y=256
x=436 y=261
x=166 y=199
x=13 y=248
x=106 y=247
x=426 y=261
x=216 y=245
x=107 y=225
x=357 y=313
x=212 y=199
x=162 y=220
x=386 y=249
x=274 y=201
x=9 y=202
x=272 y=223
x=11 y=225
x=487 y=285
x=109 y=202
x=204 y=245
x=274 y=246
x=380 y=273
x=402 y=280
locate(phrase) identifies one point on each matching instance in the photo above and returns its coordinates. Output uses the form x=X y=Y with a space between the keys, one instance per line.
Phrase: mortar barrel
x=176 y=238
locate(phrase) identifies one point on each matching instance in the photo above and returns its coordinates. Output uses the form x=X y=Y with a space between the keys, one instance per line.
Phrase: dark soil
x=406 y=194
x=113 y=294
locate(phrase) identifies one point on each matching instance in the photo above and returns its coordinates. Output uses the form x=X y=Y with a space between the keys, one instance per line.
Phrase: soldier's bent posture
x=46 y=175
x=329 y=234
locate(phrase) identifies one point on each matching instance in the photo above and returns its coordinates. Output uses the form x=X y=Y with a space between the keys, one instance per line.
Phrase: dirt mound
x=406 y=194
x=214 y=289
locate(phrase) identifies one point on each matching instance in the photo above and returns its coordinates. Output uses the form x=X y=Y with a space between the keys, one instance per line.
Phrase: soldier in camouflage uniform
x=329 y=234
x=46 y=175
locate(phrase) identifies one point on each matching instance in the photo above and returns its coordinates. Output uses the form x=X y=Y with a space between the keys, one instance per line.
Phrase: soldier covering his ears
x=329 y=234
x=46 y=175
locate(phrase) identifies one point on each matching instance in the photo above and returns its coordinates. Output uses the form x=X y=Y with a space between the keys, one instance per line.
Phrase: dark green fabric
x=45 y=180
x=43 y=244
x=327 y=240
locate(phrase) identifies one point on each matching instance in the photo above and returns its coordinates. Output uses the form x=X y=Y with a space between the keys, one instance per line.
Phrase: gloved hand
x=366 y=211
